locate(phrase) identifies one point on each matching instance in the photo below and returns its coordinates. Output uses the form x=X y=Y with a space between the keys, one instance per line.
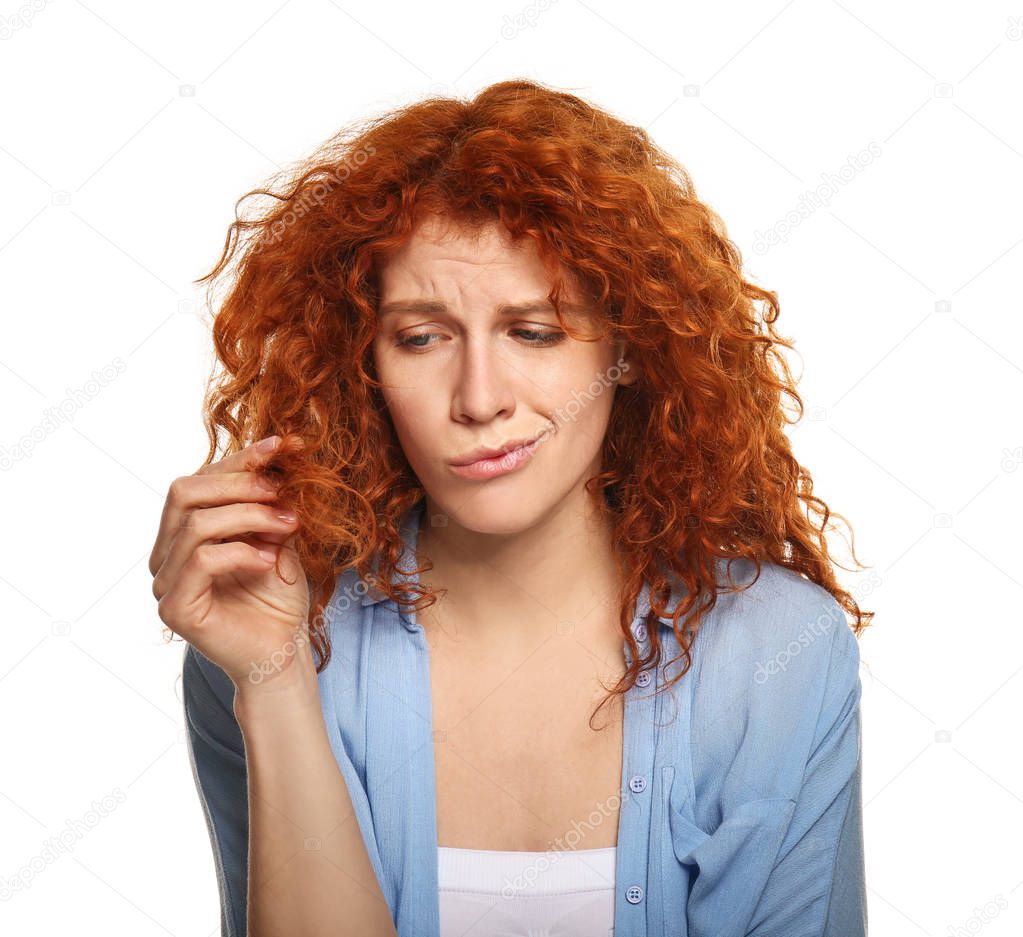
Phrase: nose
x=484 y=383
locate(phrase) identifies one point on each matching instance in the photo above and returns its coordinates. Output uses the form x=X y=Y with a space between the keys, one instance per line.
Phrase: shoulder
x=352 y=628
x=779 y=622
x=347 y=617
x=773 y=666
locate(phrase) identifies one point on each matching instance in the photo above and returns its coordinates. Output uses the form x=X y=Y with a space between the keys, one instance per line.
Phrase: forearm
x=309 y=872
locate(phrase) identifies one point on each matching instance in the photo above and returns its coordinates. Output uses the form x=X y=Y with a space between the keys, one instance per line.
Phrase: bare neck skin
x=512 y=592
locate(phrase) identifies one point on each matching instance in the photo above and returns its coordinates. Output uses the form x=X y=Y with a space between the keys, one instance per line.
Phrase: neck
x=556 y=577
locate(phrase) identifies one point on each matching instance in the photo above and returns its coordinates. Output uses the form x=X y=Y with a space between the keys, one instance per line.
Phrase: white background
x=128 y=131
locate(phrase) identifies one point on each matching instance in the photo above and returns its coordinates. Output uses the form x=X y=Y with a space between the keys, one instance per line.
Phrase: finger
x=191 y=492
x=255 y=456
x=271 y=542
x=268 y=540
x=213 y=525
x=181 y=608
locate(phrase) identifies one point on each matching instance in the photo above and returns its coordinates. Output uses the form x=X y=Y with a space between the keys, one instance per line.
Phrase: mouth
x=485 y=462
x=484 y=453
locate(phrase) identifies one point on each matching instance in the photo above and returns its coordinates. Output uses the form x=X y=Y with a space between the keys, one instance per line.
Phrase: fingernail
x=268 y=444
x=287 y=516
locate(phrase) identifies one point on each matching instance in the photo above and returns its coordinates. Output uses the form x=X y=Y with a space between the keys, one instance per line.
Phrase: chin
x=501 y=510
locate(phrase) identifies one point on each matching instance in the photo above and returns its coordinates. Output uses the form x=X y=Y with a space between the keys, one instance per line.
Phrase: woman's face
x=469 y=371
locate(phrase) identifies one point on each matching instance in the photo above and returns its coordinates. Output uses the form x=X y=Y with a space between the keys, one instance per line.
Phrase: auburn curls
x=696 y=467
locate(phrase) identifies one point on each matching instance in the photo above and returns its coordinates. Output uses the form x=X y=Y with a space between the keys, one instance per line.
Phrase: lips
x=486 y=452
x=504 y=463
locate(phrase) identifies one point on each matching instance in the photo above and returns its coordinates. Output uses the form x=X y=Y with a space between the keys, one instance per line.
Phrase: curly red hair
x=696 y=464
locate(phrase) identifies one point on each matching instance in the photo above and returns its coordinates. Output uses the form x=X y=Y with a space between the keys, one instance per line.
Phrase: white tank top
x=493 y=893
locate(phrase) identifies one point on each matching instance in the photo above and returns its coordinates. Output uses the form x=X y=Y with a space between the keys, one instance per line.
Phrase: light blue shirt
x=740 y=805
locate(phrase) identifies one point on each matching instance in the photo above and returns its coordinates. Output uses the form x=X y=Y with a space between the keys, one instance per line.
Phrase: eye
x=408 y=340
x=539 y=337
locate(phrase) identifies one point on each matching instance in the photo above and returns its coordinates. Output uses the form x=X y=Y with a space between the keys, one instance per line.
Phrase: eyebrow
x=504 y=309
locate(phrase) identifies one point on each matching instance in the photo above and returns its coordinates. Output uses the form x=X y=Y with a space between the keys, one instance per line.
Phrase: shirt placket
x=639 y=727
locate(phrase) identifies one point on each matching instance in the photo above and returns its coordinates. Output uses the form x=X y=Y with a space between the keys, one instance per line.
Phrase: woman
x=528 y=424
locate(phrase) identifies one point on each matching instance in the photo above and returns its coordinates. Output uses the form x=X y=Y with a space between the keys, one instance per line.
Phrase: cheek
x=399 y=392
x=414 y=414
x=583 y=394
x=407 y=409
x=589 y=417
x=581 y=410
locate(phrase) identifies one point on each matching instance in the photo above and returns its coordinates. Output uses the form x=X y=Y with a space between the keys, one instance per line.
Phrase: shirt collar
x=409 y=530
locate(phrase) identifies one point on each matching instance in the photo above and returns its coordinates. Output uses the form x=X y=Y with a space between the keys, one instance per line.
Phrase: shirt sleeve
x=816 y=887
x=216 y=752
x=779 y=789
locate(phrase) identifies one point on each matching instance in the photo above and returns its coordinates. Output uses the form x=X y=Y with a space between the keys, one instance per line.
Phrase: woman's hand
x=214 y=574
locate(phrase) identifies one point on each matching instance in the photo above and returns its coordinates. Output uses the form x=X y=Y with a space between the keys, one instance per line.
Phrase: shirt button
x=634 y=895
x=638 y=784
x=640 y=632
x=643 y=678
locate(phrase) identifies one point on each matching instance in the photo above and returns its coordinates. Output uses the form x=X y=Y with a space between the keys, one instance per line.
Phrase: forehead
x=442 y=253
x=439 y=235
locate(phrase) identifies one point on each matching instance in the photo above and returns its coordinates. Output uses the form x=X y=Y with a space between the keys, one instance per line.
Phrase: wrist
x=290 y=692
